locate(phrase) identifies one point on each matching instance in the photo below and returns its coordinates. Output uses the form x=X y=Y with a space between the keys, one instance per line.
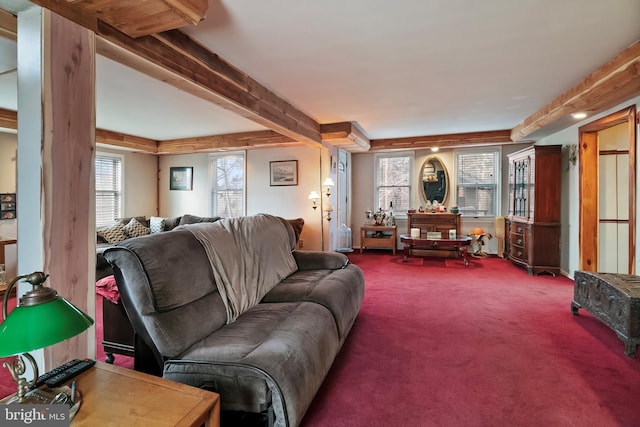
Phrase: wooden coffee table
x=459 y=244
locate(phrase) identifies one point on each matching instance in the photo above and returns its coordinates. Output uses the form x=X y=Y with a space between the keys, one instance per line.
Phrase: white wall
x=285 y=201
x=179 y=202
x=140 y=182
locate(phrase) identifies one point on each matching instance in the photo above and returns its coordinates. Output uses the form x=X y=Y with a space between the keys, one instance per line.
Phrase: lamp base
x=47 y=396
x=17 y=368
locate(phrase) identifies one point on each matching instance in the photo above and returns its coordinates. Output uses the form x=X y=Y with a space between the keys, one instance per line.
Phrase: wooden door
x=591 y=193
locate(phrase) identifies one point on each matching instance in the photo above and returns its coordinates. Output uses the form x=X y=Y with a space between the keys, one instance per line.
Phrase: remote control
x=69 y=373
x=55 y=371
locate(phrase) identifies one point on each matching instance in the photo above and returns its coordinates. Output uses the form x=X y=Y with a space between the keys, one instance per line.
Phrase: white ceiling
x=402 y=68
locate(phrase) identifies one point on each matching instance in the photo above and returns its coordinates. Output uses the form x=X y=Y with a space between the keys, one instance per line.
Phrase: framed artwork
x=8 y=206
x=181 y=178
x=284 y=172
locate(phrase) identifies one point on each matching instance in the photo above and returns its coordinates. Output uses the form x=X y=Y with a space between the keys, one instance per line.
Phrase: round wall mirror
x=434 y=180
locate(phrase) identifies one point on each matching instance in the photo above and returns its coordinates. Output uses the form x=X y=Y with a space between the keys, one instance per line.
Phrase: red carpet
x=438 y=344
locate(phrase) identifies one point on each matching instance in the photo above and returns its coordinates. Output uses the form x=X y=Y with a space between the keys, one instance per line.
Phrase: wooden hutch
x=532 y=227
x=434 y=222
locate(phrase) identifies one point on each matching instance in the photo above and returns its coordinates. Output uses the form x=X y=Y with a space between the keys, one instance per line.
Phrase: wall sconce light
x=328 y=211
x=328 y=183
x=41 y=319
x=314 y=197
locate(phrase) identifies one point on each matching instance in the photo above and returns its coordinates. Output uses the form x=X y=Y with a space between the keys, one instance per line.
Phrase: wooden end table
x=115 y=396
x=459 y=244
x=377 y=236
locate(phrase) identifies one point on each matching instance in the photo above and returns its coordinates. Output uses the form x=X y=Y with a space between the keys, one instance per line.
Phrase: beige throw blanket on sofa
x=248 y=255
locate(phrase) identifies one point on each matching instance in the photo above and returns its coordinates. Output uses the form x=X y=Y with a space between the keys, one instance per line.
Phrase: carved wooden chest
x=614 y=299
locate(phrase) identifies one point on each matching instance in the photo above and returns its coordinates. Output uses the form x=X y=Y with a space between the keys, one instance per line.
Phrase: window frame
x=212 y=176
x=121 y=159
x=376 y=192
x=497 y=152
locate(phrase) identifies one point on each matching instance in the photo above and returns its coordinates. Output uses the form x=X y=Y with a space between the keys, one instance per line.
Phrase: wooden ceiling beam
x=8 y=119
x=608 y=86
x=174 y=58
x=443 y=141
x=346 y=135
x=134 y=18
x=123 y=140
x=228 y=142
x=8 y=25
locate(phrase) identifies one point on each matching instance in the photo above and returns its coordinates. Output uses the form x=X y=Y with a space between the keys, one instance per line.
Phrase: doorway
x=607 y=193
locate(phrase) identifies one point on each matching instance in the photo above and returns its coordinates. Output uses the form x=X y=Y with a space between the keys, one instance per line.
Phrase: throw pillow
x=113 y=234
x=297 y=225
x=171 y=223
x=135 y=229
x=157 y=224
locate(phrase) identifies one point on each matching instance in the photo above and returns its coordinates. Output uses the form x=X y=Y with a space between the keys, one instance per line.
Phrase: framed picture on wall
x=284 y=172
x=7 y=205
x=181 y=178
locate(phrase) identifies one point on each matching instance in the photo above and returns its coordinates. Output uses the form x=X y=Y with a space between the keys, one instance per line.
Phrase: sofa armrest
x=317 y=260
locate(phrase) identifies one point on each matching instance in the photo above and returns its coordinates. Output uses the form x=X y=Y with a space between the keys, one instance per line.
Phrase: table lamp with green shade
x=42 y=318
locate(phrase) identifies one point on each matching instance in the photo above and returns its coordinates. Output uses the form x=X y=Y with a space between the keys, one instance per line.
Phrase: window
x=477 y=175
x=227 y=185
x=108 y=189
x=393 y=182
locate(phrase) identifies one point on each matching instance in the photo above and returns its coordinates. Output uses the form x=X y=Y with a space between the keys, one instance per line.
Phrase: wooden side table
x=115 y=396
x=377 y=236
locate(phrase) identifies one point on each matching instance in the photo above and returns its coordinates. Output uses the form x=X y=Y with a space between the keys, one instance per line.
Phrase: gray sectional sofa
x=231 y=306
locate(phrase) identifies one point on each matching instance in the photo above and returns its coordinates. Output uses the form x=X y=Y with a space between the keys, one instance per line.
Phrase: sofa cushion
x=193 y=219
x=113 y=234
x=171 y=223
x=156 y=224
x=282 y=351
x=167 y=278
x=169 y=260
x=135 y=229
x=341 y=291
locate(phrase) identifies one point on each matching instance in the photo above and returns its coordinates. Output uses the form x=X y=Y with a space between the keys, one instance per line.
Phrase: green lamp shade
x=29 y=328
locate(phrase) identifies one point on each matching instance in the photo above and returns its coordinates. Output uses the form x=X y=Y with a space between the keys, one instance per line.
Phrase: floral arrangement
x=379 y=217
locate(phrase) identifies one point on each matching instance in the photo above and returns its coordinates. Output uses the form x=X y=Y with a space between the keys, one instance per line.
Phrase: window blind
x=227 y=185
x=393 y=178
x=477 y=174
x=108 y=189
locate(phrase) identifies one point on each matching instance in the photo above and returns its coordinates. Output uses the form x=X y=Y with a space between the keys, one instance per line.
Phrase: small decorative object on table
x=379 y=218
x=479 y=234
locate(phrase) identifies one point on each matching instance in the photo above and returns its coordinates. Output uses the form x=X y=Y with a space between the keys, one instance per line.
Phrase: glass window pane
x=477 y=185
x=108 y=176
x=393 y=177
x=227 y=186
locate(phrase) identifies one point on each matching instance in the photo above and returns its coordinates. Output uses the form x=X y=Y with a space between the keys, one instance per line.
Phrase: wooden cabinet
x=119 y=337
x=532 y=227
x=434 y=222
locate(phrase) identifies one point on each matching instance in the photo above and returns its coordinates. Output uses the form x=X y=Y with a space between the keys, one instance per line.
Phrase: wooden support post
x=56 y=151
